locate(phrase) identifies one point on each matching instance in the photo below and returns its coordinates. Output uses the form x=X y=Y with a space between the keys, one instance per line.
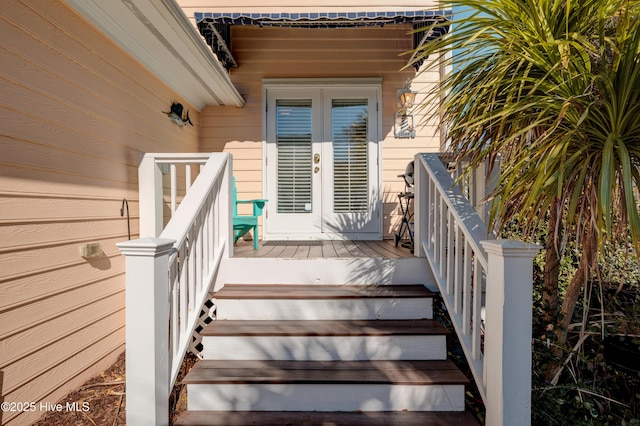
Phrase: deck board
x=343 y=372
x=288 y=252
x=315 y=252
x=318 y=291
x=404 y=418
x=366 y=250
x=329 y=251
x=324 y=328
x=354 y=250
x=387 y=250
x=341 y=250
x=302 y=252
x=323 y=250
x=275 y=251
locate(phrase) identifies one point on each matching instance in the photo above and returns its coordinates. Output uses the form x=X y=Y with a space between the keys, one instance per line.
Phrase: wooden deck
x=322 y=249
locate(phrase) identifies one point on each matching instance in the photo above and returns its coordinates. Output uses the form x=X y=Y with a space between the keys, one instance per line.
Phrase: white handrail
x=476 y=185
x=153 y=167
x=167 y=282
x=486 y=286
x=453 y=250
x=200 y=229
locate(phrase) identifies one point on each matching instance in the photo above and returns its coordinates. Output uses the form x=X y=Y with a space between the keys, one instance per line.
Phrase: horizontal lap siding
x=76 y=114
x=318 y=53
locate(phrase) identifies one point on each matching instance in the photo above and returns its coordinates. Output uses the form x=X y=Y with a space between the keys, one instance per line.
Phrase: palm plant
x=553 y=87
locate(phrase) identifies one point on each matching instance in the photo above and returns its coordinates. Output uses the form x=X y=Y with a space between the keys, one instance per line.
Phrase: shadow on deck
x=329 y=249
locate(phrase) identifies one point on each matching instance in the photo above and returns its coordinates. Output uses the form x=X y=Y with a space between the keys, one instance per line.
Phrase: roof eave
x=159 y=36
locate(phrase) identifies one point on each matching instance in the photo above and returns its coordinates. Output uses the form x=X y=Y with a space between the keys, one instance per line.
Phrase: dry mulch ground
x=104 y=395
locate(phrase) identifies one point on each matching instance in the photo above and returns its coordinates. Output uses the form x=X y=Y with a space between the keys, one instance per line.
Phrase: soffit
x=160 y=37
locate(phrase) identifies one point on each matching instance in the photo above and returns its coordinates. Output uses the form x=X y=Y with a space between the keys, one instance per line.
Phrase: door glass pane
x=349 y=123
x=293 y=141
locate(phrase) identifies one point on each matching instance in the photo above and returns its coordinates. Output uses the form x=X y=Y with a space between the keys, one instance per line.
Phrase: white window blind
x=349 y=123
x=293 y=139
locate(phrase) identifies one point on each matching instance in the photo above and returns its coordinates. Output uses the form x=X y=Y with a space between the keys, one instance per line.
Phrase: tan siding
x=56 y=382
x=31 y=366
x=76 y=114
x=55 y=184
x=24 y=291
x=318 y=53
x=38 y=208
x=25 y=263
x=54 y=329
x=25 y=235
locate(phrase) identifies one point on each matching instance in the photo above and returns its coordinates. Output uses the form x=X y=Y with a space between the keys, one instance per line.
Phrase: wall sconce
x=175 y=115
x=406 y=96
x=403 y=127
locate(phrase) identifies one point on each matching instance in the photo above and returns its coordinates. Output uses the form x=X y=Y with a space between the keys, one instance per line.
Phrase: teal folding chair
x=245 y=223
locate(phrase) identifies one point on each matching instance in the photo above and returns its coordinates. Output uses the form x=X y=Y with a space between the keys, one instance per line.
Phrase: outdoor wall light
x=175 y=115
x=406 y=97
x=403 y=127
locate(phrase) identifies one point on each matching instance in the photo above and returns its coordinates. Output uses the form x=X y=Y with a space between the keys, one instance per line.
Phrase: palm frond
x=553 y=86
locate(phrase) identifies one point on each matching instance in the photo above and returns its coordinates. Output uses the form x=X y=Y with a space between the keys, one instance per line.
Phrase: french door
x=322 y=176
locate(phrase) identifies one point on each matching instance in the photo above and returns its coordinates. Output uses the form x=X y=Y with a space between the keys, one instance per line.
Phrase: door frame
x=374 y=84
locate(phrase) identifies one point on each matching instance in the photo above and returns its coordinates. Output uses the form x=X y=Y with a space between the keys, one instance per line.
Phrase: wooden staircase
x=325 y=355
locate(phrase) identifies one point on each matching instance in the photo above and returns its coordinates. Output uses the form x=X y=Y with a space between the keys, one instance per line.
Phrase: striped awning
x=216 y=27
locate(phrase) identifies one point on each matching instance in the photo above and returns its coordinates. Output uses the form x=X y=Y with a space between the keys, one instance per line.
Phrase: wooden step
x=325 y=340
x=297 y=418
x=389 y=372
x=324 y=328
x=325 y=386
x=323 y=302
x=371 y=372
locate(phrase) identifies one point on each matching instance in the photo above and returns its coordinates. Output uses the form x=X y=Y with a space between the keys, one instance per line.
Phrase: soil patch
x=102 y=398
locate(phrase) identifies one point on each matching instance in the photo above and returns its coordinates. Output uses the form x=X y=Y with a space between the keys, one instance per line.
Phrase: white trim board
x=239 y=270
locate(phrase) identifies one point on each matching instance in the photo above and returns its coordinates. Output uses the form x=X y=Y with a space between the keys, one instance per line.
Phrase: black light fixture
x=175 y=115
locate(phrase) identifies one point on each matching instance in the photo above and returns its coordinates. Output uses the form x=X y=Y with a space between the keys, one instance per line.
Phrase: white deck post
x=147 y=334
x=420 y=205
x=507 y=346
x=150 y=184
x=226 y=209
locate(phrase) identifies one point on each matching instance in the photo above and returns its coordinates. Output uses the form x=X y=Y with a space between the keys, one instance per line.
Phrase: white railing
x=164 y=178
x=168 y=280
x=476 y=185
x=486 y=286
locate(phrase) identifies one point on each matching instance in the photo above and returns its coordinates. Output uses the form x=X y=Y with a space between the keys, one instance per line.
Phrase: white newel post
x=147 y=330
x=150 y=184
x=226 y=210
x=507 y=348
x=420 y=206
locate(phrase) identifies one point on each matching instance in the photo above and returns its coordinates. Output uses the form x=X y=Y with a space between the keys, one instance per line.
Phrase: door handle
x=316 y=158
